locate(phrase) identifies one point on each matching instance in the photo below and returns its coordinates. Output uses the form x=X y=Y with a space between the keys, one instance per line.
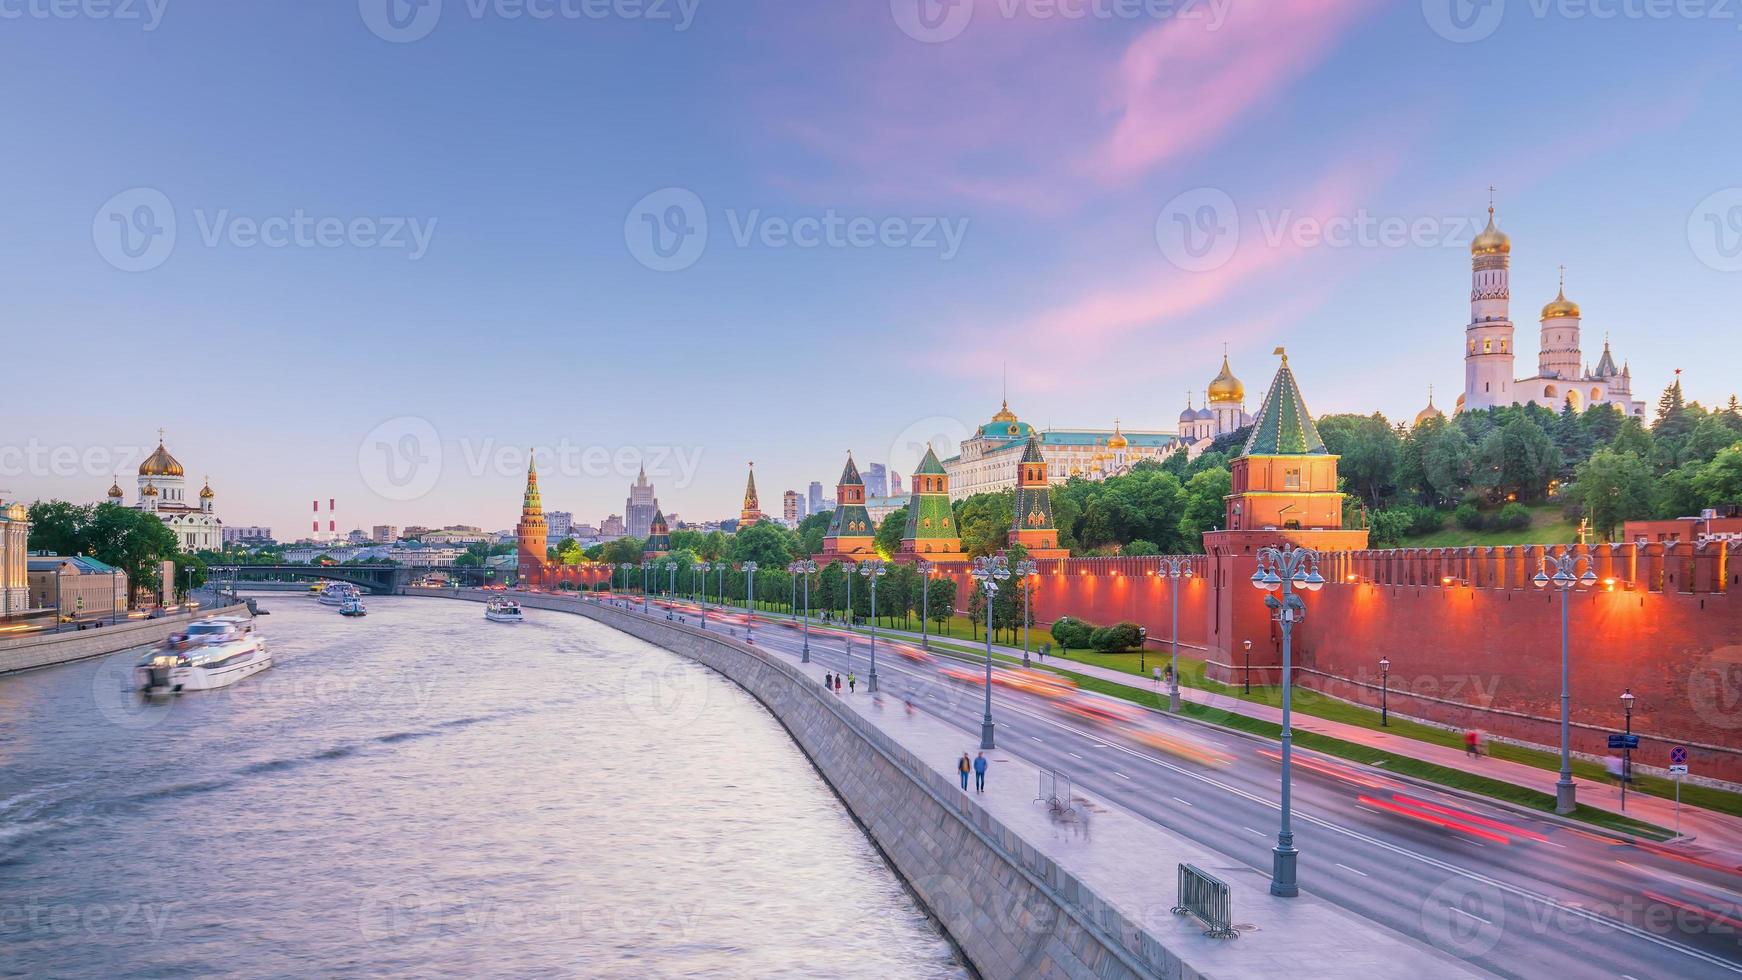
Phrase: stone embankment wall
x=48 y=649
x=1011 y=909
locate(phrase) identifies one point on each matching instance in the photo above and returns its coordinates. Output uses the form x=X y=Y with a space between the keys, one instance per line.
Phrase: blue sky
x=995 y=199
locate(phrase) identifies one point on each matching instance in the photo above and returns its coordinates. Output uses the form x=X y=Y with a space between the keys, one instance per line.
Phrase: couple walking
x=977 y=766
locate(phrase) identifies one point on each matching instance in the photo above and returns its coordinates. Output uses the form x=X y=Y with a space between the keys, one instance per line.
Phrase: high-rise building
x=816 y=496
x=792 y=507
x=613 y=527
x=877 y=480
x=895 y=489
x=560 y=522
x=246 y=534
x=384 y=534
x=639 y=509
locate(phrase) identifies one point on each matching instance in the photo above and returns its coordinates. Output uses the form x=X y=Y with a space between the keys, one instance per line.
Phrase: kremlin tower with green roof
x=931 y=522
x=851 y=533
x=1032 y=524
x=658 y=542
x=530 y=534
x=1285 y=478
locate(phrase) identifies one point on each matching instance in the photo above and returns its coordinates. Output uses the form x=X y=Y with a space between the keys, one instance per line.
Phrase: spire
x=530 y=504
x=1283 y=426
x=1606 y=363
x=752 y=511
x=850 y=473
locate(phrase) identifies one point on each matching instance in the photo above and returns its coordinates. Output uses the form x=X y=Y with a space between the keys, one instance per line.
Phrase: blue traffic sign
x=1624 y=741
x=1678 y=755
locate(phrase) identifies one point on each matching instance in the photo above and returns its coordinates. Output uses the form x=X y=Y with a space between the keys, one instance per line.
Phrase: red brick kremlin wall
x=1472 y=643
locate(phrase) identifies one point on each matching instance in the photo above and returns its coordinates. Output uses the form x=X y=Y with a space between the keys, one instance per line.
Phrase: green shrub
x=1468 y=517
x=1513 y=517
x=1119 y=636
x=1069 y=632
x=1140 y=549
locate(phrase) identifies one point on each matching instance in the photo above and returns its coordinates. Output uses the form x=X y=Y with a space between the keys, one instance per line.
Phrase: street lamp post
x=671 y=593
x=721 y=566
x=1024 y=570
x=1175 y=570
x=749 y=602
x=1565 y=579
x=701 y=603
x=924 y=602
x=989 y=572
x=804 y=567
x=646 y=566
x=1384 y=691
x=1284 y=570
x=873 y=569
x=1626 y=752
x=1248 y=646
x=626 y=566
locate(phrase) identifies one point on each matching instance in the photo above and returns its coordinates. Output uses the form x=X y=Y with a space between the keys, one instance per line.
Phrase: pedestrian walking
x=837 y=683
x=963 y=767
x=980 y=772
x=1471 y=748
x=852 y=683
x=829 y=680
x=1616 y=771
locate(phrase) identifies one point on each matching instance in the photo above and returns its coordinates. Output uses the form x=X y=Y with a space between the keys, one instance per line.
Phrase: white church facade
x=162 y=490
x=1562 y=375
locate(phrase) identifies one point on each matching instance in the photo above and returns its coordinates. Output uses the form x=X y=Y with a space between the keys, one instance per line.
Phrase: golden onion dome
x=1226 y=387
x=1460 y=408
x=1560 y=306
x=150 y=489
x=1491 y=240
x=160 y=463
x=1431 y=411
x=1005 y=414
x=115 y=490
x=206 y=491
x=1118 y=440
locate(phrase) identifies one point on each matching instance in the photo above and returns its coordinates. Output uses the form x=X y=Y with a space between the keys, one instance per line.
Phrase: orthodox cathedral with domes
x=162 y=490
x=1562 y=376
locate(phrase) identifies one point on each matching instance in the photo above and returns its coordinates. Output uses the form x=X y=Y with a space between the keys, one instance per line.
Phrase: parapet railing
x=1657 y=566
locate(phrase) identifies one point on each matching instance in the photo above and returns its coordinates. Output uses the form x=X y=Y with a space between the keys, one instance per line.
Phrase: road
x=1511 y=893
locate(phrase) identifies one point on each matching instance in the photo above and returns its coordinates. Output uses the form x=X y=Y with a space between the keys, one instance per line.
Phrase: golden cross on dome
x=160 y=435
x=1491 y=190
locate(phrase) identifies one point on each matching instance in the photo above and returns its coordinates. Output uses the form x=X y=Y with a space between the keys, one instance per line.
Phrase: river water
x=425 y=793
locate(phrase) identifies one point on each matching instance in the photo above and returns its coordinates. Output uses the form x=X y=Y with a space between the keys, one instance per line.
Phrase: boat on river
x=211 y=653
x=353 y=607
x=337 y=594
x=500 y=610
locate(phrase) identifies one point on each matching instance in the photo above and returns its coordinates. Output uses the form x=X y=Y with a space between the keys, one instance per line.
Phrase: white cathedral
x=163 y=491
x=1562 y=376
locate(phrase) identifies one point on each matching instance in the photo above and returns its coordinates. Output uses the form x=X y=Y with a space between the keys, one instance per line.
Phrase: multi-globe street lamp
x=1284 y=570
x=721 y=566
x=925 y=568
x=749 y=602
x=1024 y=571
x=873 y=569
x=805 y=567
x=702 y=604
x=989 y=572
x=626 y=566
x=1566 y=578
x=671 y=593
x=646 y=567
x=1175 y=570
x=1384 y=692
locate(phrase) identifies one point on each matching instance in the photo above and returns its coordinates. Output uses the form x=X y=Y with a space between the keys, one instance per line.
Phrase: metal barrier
x=1055 y=791
x=1207 y=898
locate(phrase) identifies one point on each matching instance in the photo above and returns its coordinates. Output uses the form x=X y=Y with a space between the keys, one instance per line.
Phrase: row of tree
x=136 y=542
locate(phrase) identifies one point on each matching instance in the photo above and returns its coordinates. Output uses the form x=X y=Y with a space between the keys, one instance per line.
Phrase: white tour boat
x=503 y=611
x=210 y=654
x=353 y=607
x=338 y=593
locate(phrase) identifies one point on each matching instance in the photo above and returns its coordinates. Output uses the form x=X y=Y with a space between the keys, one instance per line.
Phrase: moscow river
x=425 y=793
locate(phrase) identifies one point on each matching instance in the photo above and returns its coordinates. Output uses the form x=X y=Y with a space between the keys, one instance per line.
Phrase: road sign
x=1678 y=756
x=1678 y=769
x=1624 y=741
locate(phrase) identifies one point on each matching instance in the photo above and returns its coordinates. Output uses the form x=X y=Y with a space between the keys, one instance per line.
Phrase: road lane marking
x=1472 y=915
x=1249 y=830
x=1033 y=737
x=1186 y=802
x=1075 y=756
x=1120 y=774
x=1356 y=870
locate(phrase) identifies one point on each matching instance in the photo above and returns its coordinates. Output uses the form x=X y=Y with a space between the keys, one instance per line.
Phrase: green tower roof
x=930 y=465
x=1283 y=427
x=1031 y=453
x=850 y=475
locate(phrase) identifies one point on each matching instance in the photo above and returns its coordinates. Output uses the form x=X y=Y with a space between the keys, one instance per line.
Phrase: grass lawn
x=1547 y=526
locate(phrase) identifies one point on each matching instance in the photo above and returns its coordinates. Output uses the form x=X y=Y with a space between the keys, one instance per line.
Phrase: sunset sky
x=500 y=245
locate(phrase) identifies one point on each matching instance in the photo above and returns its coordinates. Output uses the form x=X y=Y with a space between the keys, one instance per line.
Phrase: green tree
x=1720 y=481
x=1672 y=416
x=1369 y=448
x=770 y=545
x=1448 y=461
x=1612 y=487
x=1633 y=437
x=940 y=600
x=983 y=521
x=1517 y=460
x=1206 y=507
x=812 y=530
x=888 y=540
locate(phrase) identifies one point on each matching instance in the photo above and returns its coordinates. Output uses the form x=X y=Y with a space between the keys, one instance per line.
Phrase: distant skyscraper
x=895 y=484
x=792 y=507
x=877 y=480
x=639 y=509
x=816 y=496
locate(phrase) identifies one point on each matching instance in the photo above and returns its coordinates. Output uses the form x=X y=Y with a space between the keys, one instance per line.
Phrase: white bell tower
x=1488 y=340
